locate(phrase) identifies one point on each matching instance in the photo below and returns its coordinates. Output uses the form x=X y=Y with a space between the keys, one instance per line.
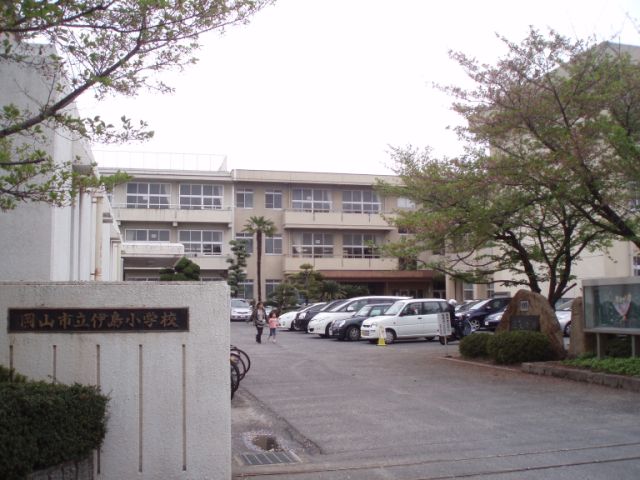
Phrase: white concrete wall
x=169 y=408
x=42 y=243
x=25 y=236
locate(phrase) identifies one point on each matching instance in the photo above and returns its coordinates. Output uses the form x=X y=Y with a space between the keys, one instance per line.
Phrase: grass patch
x=618 y=366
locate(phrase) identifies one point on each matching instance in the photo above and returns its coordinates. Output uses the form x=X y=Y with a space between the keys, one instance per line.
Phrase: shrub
x=619 y=347
x=519 y=346
x=474 y=346
x=43 y=424
x=9 y=375
x=619 y=366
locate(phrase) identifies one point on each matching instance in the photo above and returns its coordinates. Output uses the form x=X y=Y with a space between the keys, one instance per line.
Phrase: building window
x=467 y=291
x=312 y=245
x=200 y=197
x=491 y=288
x=273 y=199
x=359 y=245
x=143 y=235
x=148 y=195
x=273 y=245
x=203 y=242
x=245 y=290
x=404 y=202
x=247 y=238
x=636 y=266
x=360 y=201
x=311 y=200
x=244 y=198
x=270 y=286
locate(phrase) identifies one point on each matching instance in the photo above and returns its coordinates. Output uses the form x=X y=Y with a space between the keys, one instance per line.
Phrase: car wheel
x=429 y=339
x=353 y=334
x=567 y=329
x=389 y=336
x=292 y=327
x=475 y=324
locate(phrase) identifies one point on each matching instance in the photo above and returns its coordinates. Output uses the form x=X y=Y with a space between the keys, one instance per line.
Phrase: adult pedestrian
x=273 y=325
x=259 y=319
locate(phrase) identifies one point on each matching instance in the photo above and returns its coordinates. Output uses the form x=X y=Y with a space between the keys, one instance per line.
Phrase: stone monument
x=531 y=311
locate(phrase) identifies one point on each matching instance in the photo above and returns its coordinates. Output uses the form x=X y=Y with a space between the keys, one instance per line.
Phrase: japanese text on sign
x=98 y=320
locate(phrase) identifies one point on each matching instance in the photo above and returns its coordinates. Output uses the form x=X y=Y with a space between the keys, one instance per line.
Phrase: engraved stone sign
x=114 y=320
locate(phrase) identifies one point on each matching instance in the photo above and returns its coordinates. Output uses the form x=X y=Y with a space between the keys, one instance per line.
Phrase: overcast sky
x=328 y=85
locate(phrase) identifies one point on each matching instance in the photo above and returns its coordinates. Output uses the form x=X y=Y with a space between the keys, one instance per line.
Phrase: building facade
x=330 y=221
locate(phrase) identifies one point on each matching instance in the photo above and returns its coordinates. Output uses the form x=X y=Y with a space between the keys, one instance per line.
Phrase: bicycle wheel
x=235 y=379
x=236 y=359
x=244 y=356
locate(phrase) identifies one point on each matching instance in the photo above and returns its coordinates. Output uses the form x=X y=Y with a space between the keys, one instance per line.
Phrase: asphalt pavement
x=322 y=409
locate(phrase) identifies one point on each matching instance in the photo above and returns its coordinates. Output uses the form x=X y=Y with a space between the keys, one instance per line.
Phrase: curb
x=551 y=369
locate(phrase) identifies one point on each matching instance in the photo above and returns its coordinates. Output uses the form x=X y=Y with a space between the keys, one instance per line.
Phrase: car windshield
x=317 y=307
x=479 y=304
x=395 y=308
x=466 y=306
x=239 y=303
x=334 y=306
x=364 y=311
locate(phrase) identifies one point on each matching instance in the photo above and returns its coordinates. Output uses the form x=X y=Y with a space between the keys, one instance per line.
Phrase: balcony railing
x=336 y=219
x=173 y=213
x=292 y=263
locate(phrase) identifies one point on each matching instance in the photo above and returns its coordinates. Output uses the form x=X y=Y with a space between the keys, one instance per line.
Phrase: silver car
x=240 y=309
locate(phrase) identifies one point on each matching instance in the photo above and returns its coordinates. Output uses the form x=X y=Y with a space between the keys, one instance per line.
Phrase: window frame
x=247 y=198
x=242 y=289
x=273 y=245
x=164 y=192
x=312 y=249
x=216 y=199
x=270 y=286
x=247 y=238
x=273 y=199
x=215 y=252
x=405 y=203
x=361 y=204
x=147 y=230
x=366 y=251
x=308 y=201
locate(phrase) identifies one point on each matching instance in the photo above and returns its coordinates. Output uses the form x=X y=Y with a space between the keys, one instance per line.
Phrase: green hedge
x=44 y=424
x=619 y=347
x=519 y=346
x=618 y=366
x=474 y=346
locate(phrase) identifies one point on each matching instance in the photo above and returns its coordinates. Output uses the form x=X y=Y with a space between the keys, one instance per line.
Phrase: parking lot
x=405 y=411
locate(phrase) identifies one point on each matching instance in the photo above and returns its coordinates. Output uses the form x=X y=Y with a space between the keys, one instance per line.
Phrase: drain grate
x=269 y=458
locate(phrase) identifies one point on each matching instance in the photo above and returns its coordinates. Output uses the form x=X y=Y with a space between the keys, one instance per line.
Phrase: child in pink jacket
x=273 y=325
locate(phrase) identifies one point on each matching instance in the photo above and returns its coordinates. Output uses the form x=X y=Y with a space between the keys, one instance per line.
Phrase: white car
x=322 y=321
x=405 y=319
x=286 y=320
x=240 y=309
x=563 y=314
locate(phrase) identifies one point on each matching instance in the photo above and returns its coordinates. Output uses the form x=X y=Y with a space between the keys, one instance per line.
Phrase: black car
x=477 y=313
x=349 y=328
x=306 y=314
